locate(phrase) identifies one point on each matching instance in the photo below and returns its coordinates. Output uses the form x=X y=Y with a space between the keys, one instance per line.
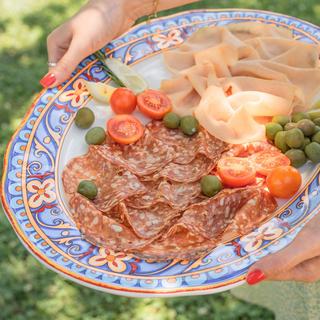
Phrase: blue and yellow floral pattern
x=31 y=195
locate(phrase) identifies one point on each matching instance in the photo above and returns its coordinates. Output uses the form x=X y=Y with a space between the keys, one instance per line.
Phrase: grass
x=27 y=289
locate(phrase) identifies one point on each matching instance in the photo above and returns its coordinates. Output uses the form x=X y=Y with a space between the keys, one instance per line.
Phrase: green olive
x=299 y=116
x=171 y=120
x=280 y=141
x=88 y=189
x=307 y=127
x=282 y=120
x=294 y=138
x=290 y=125
x=316 y=121
x=84 y=118
x=314 y=114
x=272 y=129
x=316 y=129
x=96 y=135
x=210 y=185
x=316 y=137
x=306 y=141
x=189 y=125
x=297 y=157
x=312 y=151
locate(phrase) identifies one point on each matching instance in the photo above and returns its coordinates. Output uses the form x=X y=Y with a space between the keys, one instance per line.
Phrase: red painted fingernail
x=48 y=80
x=255 y=277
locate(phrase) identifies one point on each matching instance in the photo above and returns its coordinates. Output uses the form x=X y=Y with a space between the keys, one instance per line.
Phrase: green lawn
x=28 y=291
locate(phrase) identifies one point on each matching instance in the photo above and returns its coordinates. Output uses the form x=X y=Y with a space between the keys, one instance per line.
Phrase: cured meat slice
x=120 y=187
x=188 y=147
x=87 y=167
x=190 y=172
x=100 y=229
x=145 y=157
x=203 y=224
x=149 y=222
x=179 y=195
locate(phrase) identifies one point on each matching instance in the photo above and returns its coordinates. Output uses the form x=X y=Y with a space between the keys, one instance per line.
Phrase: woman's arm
x=96 y=24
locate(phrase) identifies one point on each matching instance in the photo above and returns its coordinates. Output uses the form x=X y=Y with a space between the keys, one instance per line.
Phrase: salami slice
x=86 y=167
x=179 y=195
x=149 y=222
x=145 y=157
x=119 y=187
x=203 y=224
x=102 y=230
x=190 y=172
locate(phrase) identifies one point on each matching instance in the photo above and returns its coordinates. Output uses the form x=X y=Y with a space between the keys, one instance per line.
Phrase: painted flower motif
x=254 y=240
x=115 y=261
x=42 y=192
x=171 y=39
x=76 y=95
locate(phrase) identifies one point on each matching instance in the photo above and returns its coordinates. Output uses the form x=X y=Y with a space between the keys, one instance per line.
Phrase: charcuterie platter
x=173 y=185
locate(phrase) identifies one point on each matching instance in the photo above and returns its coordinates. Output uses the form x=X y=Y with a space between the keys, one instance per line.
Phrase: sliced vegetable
x=280 y=141
x=284 y=182
x=307 y=127
x=189 y=125
x=154 y=104
x=210 y=185
x=171 y=120
x=266 y=161
x=236 y=172
x=282 y=120
x=84 y=118
x=96 y=135
x=127 y=75
x=299 y=116
x=88 y=189
x=294 y=138
x=272 y=129
x=297 y=157
x=125 y=128
x=312 y=151
x=123 y=101
x=100 y=91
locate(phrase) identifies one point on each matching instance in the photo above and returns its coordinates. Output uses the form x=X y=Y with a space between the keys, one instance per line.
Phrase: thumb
x=65 y=66
x=270 y=267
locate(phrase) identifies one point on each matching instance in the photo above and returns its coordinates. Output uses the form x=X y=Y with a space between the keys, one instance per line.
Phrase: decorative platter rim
x=128 y=281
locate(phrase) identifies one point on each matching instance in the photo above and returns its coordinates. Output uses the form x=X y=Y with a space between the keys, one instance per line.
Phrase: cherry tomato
x=236 y=172
x=154 y=104
x=123 y=101
x=125 y=128
x=266 y=161
x=284 y=182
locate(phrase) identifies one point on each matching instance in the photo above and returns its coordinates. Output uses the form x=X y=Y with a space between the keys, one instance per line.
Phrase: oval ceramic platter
x=32 y=193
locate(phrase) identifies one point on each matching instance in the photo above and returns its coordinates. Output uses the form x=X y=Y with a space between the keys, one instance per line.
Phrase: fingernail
x=48 y=80
x=255 y=277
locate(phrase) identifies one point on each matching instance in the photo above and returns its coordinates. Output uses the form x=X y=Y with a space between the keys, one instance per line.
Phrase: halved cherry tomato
x=266 y=161
x=154 y=104
x=123 y=101
x=236 y=172
x=125 y=128
x=284 y=182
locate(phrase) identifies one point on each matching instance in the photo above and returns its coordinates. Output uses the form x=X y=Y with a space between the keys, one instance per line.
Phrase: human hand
x=89 y=30
x=299 y=261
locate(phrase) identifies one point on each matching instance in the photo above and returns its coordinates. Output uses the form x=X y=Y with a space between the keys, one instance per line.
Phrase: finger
x=58 y=43
x=304 y=247
x=70 y=60
x=307 y=271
